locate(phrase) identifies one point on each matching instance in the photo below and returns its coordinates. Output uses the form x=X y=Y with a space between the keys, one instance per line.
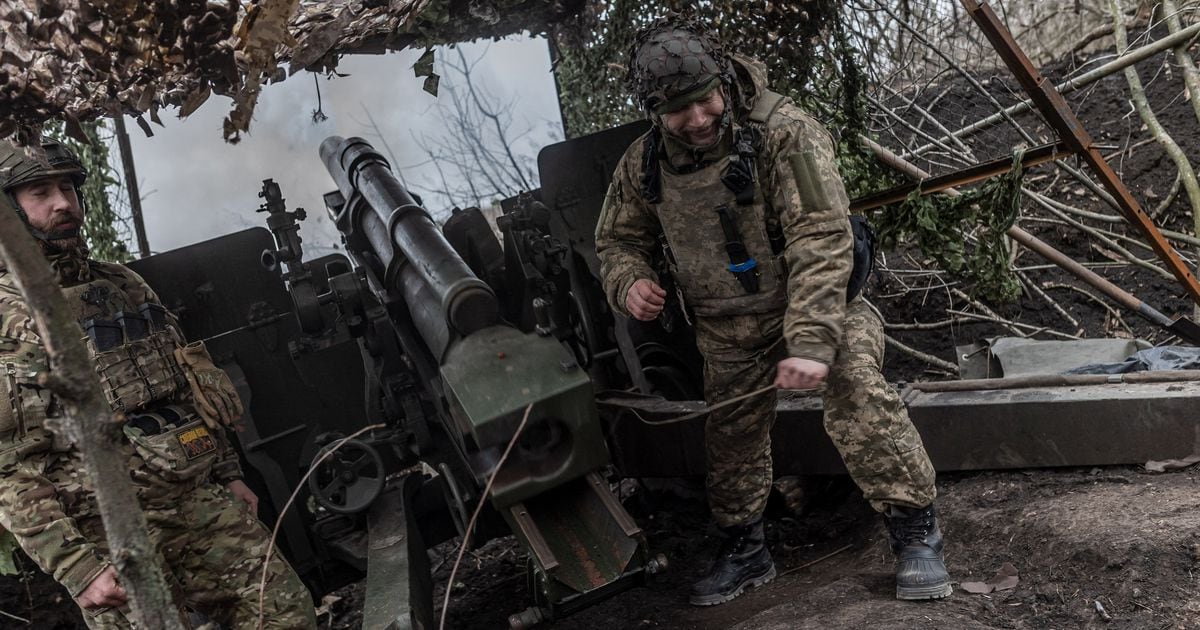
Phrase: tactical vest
x=133 y=351
x=723 y=203
x=699 y=211
x=131 y=346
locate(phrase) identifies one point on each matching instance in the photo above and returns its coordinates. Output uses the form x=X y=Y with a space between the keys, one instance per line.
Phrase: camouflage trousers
x=213 y=548
x=864 y=415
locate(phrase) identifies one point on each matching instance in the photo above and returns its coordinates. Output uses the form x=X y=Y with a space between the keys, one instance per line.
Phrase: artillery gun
x=457 y=386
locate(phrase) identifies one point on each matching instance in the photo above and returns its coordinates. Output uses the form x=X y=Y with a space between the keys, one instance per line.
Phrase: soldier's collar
x=69 y=265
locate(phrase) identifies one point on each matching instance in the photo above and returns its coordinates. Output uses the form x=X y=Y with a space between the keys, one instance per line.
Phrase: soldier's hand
x=103 y=592
x=645 y=300
x=797 y=373
x=216 y=398
x=244 y=493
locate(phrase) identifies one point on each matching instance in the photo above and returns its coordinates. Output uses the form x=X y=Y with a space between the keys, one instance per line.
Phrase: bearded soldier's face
x=52 y=206
x=698 y=123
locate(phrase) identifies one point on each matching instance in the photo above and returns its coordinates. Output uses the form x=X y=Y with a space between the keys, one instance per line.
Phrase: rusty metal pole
x=1058 y=114
x=135 y=200
x=970 y=175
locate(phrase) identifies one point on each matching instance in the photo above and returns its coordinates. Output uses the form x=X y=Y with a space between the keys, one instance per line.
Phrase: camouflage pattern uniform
x=212 y=547
x=800 y=309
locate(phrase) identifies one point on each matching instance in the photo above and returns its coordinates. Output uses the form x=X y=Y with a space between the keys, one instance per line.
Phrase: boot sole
x=713 y=600
x=936 y=591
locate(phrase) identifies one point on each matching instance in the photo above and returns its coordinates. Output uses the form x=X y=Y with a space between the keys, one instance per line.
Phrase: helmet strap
x=38 y=234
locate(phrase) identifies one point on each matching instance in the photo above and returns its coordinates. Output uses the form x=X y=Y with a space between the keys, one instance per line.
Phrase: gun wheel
x=667 y=374
x=585 y=335
x=349 y=480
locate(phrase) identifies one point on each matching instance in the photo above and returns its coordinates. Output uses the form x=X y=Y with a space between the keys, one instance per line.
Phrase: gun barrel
x=406 y=241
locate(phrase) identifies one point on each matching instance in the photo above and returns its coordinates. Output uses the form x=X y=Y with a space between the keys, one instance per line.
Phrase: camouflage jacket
x=43 y=489
x=797 y=180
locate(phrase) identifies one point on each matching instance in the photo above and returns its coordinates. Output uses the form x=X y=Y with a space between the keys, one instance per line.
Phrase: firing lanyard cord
x=470 y=528
x=695 y=414
x=266 y=563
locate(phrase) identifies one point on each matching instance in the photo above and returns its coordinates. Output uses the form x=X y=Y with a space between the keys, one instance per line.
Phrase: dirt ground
x=1122 y=537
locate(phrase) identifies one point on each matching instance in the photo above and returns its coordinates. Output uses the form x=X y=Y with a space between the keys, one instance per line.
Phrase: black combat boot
x=742 y=562
x=917 y=543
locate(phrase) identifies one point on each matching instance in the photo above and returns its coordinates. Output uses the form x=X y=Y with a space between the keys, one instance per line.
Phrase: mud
x=1118 y=536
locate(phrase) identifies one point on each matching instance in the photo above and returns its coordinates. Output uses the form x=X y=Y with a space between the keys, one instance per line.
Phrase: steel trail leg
x=399 y=593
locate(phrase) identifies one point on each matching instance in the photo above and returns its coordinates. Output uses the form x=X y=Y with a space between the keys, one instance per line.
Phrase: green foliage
x=861 y=171
x=590 y=67
x=101 y=224
x=939 y=224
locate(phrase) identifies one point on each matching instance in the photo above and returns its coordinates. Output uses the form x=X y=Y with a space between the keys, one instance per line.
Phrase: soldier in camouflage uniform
x=739 y=188
x=176 y=405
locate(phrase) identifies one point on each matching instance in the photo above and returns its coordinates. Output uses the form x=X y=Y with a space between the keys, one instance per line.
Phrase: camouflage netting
x=77 y=60
x=675 y=61
x=324 y=30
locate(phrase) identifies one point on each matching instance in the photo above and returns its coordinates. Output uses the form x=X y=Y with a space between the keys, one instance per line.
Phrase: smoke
x=196 y=187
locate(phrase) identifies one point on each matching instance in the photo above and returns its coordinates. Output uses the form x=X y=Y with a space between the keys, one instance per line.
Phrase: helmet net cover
x=673 y=62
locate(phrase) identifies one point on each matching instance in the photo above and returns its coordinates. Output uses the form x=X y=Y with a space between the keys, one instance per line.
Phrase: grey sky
x=196 y=187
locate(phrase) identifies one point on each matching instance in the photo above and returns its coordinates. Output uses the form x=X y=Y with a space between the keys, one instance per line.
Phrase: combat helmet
x=675 y=61
x=17 y=167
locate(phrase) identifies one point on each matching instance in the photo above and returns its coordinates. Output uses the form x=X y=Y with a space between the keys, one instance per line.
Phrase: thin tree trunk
x=90 y=427
x=1191 y=76
x=1192 y=79
x=1186 y=173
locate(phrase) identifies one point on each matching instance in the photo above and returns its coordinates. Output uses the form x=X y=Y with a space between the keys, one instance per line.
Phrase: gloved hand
x=217 y=401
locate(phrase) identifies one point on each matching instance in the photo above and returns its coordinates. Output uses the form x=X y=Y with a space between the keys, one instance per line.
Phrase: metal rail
x=979 y=172
x=981 y=429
